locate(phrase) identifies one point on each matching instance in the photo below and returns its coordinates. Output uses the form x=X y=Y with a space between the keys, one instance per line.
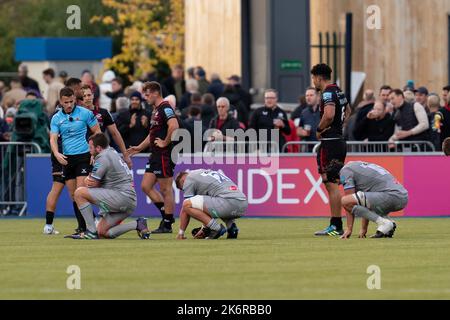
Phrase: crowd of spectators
x=386 y=115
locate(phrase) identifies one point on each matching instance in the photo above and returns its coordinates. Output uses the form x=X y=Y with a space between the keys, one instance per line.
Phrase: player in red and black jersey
x=160 y=167
x=105 y=121
x=334 y=109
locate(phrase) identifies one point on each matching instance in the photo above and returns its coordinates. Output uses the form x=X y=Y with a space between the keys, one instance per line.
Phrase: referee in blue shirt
x=72 y=123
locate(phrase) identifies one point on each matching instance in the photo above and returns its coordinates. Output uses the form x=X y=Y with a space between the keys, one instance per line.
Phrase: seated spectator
x=271 y=117
x=410 y=118
x=224 y=120
x=208 y=109
x=133 y=124
x=310 y=117
x=216 y=87
x=378 y=125
x=191 y=88
x=435 y=117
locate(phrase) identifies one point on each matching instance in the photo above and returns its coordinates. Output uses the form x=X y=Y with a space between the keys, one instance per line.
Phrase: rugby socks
x=213 y=225
x=337 y=222
x=121 y=229
x=160 y=206
x=49 y=216
x=363 y=212
x=168 y=220
x=88 y=215
x=81 y=222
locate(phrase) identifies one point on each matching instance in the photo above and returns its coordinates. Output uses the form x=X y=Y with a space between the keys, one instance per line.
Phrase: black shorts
x=77 y=166
x=57 y=170
x=330 y=150
x=160 y=165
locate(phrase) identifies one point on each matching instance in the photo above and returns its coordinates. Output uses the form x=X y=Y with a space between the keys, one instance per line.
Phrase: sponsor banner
x=289 y=186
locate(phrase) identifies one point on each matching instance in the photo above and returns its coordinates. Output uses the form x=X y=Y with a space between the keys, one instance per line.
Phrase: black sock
x=79 y=216
x=49 y=217
x=337 y=222
x=160 y=206
x=168 y=220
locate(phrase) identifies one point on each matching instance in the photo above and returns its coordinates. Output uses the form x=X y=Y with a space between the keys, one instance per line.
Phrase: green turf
x=272 y=259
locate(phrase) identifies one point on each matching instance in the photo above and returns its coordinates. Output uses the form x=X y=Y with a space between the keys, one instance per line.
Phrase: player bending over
x=109 y=186
x=371 y=192
x=210 y=195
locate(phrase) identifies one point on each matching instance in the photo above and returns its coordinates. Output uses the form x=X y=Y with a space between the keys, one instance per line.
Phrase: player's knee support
x=361 y=199
x=197 y=202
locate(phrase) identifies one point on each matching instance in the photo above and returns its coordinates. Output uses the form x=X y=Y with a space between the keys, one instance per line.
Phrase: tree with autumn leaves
x=151 y=31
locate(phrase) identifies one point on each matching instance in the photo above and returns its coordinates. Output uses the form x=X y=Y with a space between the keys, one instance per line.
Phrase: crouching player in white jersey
x=109 y=186
x=210 y=195
x=371 y=192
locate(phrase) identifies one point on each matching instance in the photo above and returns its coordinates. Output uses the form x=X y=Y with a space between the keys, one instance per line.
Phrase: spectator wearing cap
x=54 y=86
x=203 y=84
x=175 y=84
x=271 y=117
x=422 y=96
x=133 y=124
x=26 y=81
x=244 y=96
x=410 y=118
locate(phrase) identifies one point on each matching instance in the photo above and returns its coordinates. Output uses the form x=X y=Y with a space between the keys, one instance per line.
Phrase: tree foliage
x=152 y=31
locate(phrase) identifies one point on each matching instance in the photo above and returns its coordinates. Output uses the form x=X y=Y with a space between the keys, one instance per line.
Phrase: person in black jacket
x=271 y=117
x=134 y=123
x=224 y=120
x=377 y=125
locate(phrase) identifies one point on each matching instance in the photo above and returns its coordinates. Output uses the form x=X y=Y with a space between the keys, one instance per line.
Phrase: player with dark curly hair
x=333 y=112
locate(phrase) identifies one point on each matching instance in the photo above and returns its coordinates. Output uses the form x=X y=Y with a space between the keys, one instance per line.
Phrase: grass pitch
x=272 y=259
